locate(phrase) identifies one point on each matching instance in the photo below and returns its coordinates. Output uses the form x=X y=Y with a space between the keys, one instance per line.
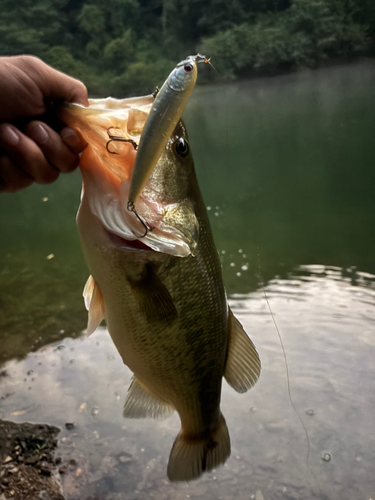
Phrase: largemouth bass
x=162 y=296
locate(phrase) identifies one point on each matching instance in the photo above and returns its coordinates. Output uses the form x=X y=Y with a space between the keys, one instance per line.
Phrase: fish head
x=112 y=129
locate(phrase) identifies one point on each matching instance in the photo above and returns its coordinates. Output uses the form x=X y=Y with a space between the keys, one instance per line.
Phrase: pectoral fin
x=141 y=403
x=153 y=297
x=94 y=304
x=242 y=367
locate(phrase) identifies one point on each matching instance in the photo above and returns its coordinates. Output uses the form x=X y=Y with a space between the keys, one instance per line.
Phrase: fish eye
x=182 y=147
x=188 y=67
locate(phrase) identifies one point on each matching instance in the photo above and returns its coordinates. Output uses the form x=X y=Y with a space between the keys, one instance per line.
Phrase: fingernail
x=71 y=138
x=9 y=135
x=39 y=134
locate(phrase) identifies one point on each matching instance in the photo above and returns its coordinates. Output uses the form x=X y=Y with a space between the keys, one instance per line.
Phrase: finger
x=53 y=83
x=12 y=177
x=25 y=153
x=52 y=146
x=73 y=140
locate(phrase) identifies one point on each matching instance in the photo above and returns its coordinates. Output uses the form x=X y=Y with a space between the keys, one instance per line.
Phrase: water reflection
x=325 y=315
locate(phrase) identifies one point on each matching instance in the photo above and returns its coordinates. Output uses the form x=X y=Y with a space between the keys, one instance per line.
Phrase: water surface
x=286 y=166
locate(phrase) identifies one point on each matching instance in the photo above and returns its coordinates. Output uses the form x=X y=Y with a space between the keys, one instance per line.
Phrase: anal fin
x=94 y=304
x=140 y=402
x=242 y=368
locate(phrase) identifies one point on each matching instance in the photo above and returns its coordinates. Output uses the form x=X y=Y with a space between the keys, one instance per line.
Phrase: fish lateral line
x=288 y=379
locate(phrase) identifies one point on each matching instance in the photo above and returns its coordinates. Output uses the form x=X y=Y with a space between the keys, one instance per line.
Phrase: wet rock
x=259 y=495
x=28 y=471
x=45 y=467
x=124 y=458
x=31 y=460
x=63 y=469
x=44 y=495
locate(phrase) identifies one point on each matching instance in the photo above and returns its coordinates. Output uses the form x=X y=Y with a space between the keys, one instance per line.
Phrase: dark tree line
x=121 y=47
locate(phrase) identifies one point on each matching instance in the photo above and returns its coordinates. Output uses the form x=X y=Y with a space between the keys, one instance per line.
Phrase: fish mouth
x=107 y=176
x=128 y=245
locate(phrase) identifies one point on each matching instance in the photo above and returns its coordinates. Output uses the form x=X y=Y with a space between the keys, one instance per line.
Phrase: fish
x=170 y=102
x=162 y=295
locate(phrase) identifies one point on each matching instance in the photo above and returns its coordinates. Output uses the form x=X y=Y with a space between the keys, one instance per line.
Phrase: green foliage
x=308 y=32
x=60 y=58
x=141 y=78
x=124 y=47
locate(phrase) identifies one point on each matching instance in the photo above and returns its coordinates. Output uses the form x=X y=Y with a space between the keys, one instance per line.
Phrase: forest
x=127 y=47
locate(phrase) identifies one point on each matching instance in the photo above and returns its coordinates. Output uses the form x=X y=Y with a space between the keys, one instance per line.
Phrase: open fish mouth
x=112 y=129
x=128 y=245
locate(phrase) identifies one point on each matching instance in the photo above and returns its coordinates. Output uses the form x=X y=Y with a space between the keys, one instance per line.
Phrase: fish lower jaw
x=128 y=245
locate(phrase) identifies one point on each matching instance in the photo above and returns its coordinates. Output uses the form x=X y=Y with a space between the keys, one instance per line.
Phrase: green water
x=287 y=169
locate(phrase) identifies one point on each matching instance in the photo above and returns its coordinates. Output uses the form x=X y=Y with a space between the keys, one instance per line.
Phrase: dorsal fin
x=140 y=402
x=242 y=368
x=94 y=304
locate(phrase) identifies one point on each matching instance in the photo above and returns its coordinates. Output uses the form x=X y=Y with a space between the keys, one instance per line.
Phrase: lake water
x=287 y=169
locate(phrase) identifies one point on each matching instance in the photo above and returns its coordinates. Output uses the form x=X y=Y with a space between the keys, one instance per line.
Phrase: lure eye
x=182 y=147
x=188 y=68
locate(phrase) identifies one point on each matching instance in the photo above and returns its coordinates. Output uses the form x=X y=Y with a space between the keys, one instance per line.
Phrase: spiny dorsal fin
x=94 y=304
x=153 y=297
x=242 y=368
x=140 y=402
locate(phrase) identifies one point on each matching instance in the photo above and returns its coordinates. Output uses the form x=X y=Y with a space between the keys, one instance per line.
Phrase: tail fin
x=189 y=458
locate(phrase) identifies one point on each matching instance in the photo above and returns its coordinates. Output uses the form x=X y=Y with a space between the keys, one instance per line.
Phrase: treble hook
x=118 y=138
x=131 y=207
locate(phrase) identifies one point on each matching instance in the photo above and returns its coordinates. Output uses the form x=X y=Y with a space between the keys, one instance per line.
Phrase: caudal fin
x=189 y=458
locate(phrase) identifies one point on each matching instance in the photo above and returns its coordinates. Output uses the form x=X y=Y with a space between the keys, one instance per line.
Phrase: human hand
x=30 y=150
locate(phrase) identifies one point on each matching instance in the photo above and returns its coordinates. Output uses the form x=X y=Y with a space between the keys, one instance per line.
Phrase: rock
x=46 y=467
x=44 y=495
x=63 y=469
x=259 y=495
x=125 y=459
x=69 y=425
x=32 y=459
x=8 y=459
x=94 y=411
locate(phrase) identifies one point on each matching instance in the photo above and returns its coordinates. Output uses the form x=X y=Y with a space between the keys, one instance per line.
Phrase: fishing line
x=288 y=378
